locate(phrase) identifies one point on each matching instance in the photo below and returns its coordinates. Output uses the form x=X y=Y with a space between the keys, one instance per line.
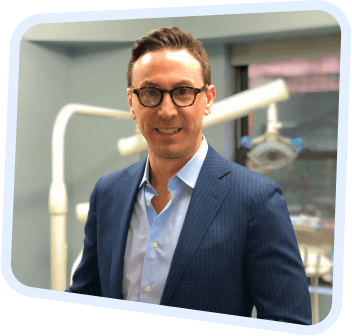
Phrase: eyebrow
x=180 y=83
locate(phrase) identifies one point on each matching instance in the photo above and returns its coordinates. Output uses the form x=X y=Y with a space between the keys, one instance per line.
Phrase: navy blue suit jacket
x=237 y=247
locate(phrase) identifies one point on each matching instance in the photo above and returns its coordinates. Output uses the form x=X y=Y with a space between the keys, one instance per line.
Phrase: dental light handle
x=248 y=142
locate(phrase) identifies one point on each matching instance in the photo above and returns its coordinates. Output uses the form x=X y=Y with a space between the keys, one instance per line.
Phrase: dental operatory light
x=271 y=150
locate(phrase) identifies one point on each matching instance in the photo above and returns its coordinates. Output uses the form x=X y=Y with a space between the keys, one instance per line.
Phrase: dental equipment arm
x=58 y=192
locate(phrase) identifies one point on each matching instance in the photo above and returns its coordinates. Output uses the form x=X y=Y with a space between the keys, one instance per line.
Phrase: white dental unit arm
x=234 y=107
x=58 y=192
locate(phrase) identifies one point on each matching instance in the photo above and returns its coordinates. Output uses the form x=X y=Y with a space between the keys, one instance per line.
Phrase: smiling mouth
x=168 y=131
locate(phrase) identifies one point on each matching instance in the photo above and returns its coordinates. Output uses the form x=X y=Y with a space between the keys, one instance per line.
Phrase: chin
x=169 y=153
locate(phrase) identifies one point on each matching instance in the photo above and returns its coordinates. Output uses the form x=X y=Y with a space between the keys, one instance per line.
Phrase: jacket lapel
x=125 y=198
x=207 y=197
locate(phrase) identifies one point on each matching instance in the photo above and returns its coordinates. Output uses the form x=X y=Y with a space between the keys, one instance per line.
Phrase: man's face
x=167 y=69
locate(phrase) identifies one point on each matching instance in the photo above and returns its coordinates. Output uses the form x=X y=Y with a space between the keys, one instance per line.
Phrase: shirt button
x=148 y=288
x=148 y=203
x=155 y=244
x=148 y=185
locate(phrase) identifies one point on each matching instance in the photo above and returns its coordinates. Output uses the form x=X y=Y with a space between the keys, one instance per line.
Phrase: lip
x=168 y=128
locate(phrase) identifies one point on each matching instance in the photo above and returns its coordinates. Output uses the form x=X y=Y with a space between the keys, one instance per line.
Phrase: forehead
x=182 y=55
x=167 y=64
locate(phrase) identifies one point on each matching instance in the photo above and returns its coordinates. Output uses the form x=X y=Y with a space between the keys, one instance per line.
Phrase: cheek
x=197 y=118
x=144 y=122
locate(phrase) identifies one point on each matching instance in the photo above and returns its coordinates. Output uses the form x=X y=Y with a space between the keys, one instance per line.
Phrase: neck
x=161 y=170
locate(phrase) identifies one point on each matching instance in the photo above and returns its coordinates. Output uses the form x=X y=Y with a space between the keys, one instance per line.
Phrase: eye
x=183 y=91
x=150 y=92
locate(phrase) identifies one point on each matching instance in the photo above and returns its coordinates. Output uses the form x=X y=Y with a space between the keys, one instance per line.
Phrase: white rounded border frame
x=176 y=12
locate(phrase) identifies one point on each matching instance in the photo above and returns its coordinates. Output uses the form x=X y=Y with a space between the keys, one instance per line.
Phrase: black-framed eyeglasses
x=182 y=96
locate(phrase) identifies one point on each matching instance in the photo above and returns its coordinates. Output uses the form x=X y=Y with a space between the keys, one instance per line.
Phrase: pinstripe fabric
x=147 y=265
x=237 y=247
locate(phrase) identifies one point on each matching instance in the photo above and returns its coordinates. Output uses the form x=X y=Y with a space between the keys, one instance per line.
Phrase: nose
x=167 y=108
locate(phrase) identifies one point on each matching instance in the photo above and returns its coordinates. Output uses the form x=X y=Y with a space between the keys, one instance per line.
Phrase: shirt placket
x=153 y=268
x=149 y=264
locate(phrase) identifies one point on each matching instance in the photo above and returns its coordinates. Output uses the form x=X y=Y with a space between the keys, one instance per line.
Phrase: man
x=185 y=227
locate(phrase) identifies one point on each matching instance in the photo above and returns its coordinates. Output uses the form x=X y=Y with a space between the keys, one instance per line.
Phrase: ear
x=129 y=98
x=211 y=95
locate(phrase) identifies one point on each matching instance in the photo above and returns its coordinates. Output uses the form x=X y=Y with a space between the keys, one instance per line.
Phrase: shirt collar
x=190 y=171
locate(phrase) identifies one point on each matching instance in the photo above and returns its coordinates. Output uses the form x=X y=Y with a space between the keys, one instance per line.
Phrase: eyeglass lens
x=152 y=96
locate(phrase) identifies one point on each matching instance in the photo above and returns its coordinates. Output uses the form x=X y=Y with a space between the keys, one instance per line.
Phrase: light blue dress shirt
x=152 y=238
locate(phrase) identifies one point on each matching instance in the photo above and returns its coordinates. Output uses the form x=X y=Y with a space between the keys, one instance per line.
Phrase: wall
x=43 y=90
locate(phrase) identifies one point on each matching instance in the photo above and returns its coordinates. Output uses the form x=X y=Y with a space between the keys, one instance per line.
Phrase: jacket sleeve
x=86 y=277
x=273 y=265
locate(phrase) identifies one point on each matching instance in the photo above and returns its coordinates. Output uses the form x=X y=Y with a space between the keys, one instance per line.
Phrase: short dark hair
x=169 y=38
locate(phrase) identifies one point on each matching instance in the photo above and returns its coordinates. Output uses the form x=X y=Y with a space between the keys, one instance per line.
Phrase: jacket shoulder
x=224 y=169
x=110 y=180
x=249 y=176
